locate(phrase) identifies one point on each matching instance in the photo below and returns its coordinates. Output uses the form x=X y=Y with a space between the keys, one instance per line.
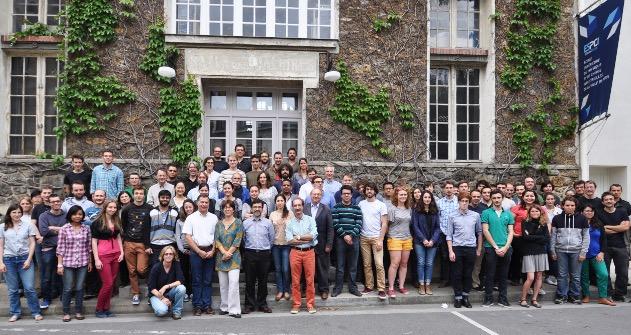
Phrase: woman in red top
x=106 y=248
x=520 y=212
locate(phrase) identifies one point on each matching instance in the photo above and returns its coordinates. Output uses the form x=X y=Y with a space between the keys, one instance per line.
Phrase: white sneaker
x=135 y=300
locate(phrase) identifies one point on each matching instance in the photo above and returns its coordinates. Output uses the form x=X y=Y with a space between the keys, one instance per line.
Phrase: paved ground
x=390 y=320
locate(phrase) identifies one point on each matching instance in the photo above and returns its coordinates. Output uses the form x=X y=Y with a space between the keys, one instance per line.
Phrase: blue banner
x=599 y=32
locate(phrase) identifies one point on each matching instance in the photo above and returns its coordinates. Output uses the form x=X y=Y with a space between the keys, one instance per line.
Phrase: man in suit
x=324 y=222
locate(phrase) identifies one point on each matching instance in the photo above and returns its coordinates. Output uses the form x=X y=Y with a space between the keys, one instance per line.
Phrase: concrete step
x=121 y=304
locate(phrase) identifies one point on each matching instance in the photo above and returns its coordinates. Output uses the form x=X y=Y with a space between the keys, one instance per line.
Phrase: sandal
x=524 y=303
x=535 y=304
x=66 y=318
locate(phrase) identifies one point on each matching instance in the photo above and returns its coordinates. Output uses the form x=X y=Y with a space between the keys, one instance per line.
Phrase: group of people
x=249 y=214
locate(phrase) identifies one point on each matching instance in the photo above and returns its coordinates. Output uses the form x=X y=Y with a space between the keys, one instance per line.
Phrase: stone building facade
x=259 y=66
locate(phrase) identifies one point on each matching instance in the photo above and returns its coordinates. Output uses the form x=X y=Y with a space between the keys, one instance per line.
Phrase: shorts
x=395 y=244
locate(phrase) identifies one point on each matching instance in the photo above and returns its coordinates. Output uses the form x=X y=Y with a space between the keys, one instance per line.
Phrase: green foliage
x=34 y=29
x=379 y=25
x=157 y=53
x=406 y=115
x=180 y=117
x=85 y=98
x=530 y=40
x=57 y=160
x=518 y=107
x=127 y=11
x=361 y=110
x=495 y=16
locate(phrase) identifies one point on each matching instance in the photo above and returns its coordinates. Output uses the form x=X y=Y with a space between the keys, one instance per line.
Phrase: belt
x=303 y=249
x=208 y=248
x=257 y=250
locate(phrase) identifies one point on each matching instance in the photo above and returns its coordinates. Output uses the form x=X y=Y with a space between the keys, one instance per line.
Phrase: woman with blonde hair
x=535 y=237
x=400 y=241
x=165 y=284
x=107 y=249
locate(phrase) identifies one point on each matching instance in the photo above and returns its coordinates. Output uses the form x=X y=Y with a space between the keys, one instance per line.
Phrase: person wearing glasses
x=165 y=284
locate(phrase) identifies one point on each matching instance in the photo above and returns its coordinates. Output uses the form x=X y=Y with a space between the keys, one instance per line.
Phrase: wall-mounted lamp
x=331 y=75
x=166 y=71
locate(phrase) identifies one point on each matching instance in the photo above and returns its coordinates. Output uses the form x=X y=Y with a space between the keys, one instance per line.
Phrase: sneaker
x=574 y=300
x=312 y=310
x=503 y=303
x=44 y=304
x=356 y=293
x=617 y=298
x=367 y=290
x=382 y=295
x=551 y=280
x=542 y=292
x=108 y=314
x=295 y=310
x=100 y=314
x=176 y=316
x=187 y=298
x=559 y=300
x=487 y=302
x=391 y=294
x=135 y=300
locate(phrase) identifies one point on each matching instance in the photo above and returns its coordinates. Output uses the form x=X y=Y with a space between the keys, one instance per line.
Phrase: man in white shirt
x=374 y=228
x=162 y=184
x=305 y=189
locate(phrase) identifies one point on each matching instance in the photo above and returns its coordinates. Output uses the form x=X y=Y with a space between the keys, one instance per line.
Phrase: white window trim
x=171 y=14
x=453 y=26
x=42 y=13
x=40 y=103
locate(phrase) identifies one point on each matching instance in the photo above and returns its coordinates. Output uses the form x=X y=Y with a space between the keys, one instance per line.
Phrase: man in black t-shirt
x=78 y=173
x=616 y=224
x=589 y=197
x=616 y=190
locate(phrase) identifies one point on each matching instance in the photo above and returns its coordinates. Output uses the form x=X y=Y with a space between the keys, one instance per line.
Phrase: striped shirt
x=110 y=180
x=347 y=220
x=74 y=246
x=163 y=226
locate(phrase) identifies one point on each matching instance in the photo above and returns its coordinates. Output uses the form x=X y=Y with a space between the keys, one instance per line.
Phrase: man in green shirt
x=497 y=226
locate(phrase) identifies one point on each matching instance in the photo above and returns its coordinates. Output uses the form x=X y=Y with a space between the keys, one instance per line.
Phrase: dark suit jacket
x=324 y=222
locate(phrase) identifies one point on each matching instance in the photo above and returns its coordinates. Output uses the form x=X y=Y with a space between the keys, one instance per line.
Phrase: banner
x=599 y=32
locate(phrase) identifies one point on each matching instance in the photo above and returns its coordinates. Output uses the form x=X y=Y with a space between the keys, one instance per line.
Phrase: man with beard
x=78 y=198
x=162 y=232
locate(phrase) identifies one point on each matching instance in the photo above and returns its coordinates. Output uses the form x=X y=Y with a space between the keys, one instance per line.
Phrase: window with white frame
x=254 y=17
x=454 y=114
x=455 y=23
x=188 y=16
x=33 y=115
x=221 y=17
x=313 y=19
x=261 y=119
x=287 y=18
x=32 y=11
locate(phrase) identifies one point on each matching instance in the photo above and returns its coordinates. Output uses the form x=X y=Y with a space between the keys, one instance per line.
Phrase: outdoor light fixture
x=331 y=75
x=166 y=71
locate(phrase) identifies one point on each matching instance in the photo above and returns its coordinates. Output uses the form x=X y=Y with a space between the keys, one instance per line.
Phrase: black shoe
x=226 y=312
x=246 y=310
x=503 y=303
x=236 y=316
x=488 y=302
x=466 y=303
x=574 y=300
x=445 y=284
x=560 y=300
x=479 y=288
x=457 y=303
x=617 y=298
x=335 y=293
x=356 y=293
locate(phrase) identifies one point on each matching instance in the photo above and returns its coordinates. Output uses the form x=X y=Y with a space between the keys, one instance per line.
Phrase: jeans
x=51 y=284
x=14 y=276
x=280 y=253
x=602 y=277
x=461 y=271
x=176 y=295
x=73 y=279
x=424 y=263
x=568 y=266
x=620 y=258
x=202 y=275
x=496 y=270
x=346 y=256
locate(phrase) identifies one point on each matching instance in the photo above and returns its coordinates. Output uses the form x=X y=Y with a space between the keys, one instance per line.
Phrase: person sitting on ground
x=165 y=284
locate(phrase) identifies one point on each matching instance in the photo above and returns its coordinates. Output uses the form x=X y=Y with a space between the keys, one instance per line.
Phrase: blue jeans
x=424 y=262
x=568 y=266
x=51 y=281
x=346 y=255
x=280 y=254
x=202 y=275
x=176 y=295
x=73 y=279
x=14 y=276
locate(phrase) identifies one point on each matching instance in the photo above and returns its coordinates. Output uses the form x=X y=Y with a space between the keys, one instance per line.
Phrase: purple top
x=74 y=246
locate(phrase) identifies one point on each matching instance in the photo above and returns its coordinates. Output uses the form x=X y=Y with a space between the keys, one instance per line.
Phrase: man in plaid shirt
x=108 y=177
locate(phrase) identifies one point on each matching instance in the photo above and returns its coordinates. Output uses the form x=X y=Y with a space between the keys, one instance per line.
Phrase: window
x=287 y=18
x=187 y=18
x=455 y=23
x=254 y=17
x=454 y=114
x=260 y=119
x=34 y=82
x=313 y=19
x=31 y=11
x=221 y=17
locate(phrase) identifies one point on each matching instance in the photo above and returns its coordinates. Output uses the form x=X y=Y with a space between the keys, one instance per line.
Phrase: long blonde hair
x=116 y=220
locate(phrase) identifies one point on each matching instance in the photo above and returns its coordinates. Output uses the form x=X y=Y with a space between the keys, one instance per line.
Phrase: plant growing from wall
x=361 y=110
x=85 y=98
x=34 y=29
x=127 y=9
x=180 y=117
x=379 y=25
x=406 y=115
x=157 y=53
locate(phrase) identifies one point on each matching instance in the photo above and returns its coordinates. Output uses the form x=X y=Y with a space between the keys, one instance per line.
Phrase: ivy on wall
x=157 y=53
x=180 y=117
x=360 y=110
x=85 y=98
x=530 y=44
